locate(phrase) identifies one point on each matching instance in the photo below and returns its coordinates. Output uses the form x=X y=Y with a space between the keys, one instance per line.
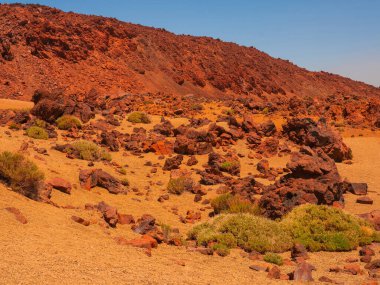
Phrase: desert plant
x=138 y=117
x=273 y=258
x=228 y=203
x=67 y=122
x=22 y=175
x=37 y=133
x=249 y=232
x=87 y=150
x=40 y=123
x=179 y=185
x=326 y=228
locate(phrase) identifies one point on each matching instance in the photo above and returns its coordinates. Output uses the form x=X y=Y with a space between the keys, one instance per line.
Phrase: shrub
x=138 y=117
x=228 y=203
x=67 y=122
x=273 y=258
x=179 y=185
x=87 y=150
x=249 y=232
x=221 y=249
x=22 y=175
x=37 y=133
x=40 y=123
x=327 y=228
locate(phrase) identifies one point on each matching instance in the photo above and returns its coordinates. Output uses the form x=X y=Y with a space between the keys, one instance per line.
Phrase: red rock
x=90 y=178
x=274 y=273
x=173 y=163
x=80 y=220
x=375 y=264
x=60 y=184
x=305 y=131
x=364 y=200
x=110 y=214
x=263 y=166
x=373 y=217
x=18 y=215
x=124 y=219
x=258 y=268
x=299 y=251
x=303 y=272
x=353 y=269
x=146 y=241
x=366 y=250
x=358 y=188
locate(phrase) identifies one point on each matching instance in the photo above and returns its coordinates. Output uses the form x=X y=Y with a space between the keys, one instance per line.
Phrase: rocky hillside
x=45 y=47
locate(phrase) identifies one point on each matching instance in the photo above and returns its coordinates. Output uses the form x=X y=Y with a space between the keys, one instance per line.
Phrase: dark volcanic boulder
x=90 y=178
x=188 y=146
x=317 y=135
x=49 y=106
x=110 y=139
x=314 y=179
x=173 y=162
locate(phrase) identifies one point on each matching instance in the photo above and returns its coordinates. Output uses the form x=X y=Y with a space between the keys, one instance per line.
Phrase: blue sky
x=339 y=36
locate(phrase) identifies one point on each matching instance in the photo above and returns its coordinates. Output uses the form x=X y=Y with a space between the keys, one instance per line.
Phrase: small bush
x=37 y=133
x=249 y=232
x=326 y=228
x=273 y=258
x=221 y=249
x=22 y=175
x=40 y=123
x=67 y=122
x=138 y=117
x=87 y=150
x=179 y=185
x=228 y=203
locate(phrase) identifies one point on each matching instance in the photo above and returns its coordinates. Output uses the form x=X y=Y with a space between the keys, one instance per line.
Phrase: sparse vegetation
x=228 y=165
x=249 y=232
x=228 y=203
x=138 y=117
x=67 y=122
x=319 y=228
x=326 y=228
x=87 y=150
x=14 y=126
x=273 y=258
x=22 y=175
x=37 y=133
x=179 y=185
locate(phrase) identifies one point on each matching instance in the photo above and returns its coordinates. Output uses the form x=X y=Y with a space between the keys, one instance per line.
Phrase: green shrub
x=273 y=258
x=326 y=228
x=40 y=123
x=87 y=150
x=179 y=185
x=249 y=232
x=37 y=133
x=22 y=175
x=138 y=117
x=228 y=203
x=221 y=249
x=67 y=122
x=227 y=165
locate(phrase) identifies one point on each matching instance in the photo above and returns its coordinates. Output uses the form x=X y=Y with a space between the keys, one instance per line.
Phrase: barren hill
x=45 y=47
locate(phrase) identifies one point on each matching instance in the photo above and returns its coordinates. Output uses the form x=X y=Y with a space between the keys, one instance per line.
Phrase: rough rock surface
x=313 y=179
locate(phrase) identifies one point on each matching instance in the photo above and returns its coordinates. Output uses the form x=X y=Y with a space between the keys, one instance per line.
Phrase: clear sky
x=339 y=36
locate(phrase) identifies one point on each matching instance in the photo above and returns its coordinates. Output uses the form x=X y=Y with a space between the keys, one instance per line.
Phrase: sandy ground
x=52 y=249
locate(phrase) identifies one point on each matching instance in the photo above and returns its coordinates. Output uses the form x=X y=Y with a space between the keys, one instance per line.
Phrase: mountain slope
x=45 y=47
